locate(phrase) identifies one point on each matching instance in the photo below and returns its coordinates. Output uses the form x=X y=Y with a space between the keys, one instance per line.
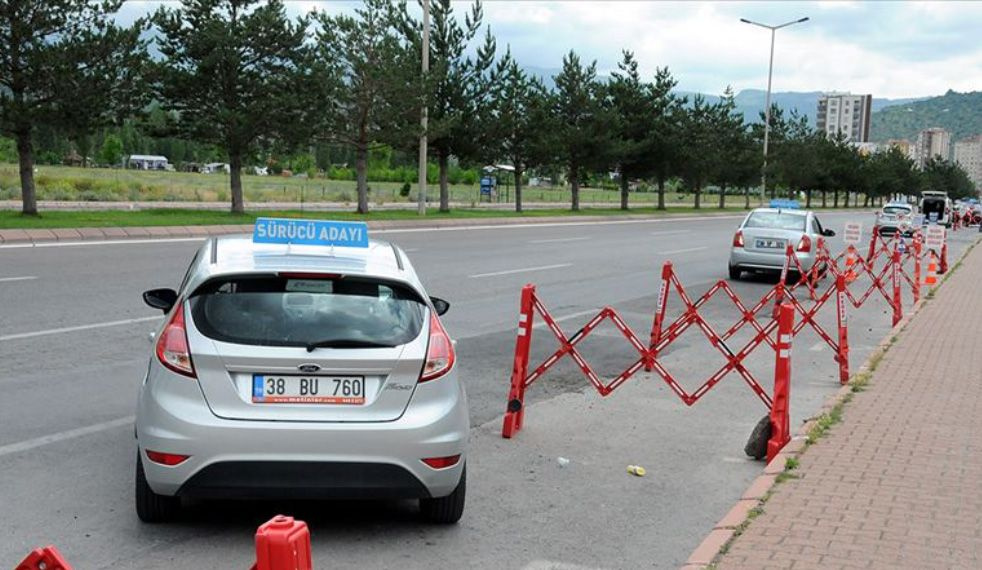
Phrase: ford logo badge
x=308 y=368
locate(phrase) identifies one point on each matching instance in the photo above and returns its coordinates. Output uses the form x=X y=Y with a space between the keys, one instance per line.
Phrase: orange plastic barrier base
x=47 y=558
x=283 y=543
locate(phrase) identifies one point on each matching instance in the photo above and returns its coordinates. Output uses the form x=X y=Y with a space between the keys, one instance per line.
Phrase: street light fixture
x=767 y=101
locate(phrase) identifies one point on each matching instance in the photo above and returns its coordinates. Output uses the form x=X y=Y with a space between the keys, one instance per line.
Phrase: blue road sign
x=785 y=204
x=310 y=232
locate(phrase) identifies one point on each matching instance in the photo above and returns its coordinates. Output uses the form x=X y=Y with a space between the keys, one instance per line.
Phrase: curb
x=25 y=236
x=34 y=236
x=725 y=530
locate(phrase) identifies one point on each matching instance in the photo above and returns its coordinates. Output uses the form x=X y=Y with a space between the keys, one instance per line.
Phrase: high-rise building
x=904 y=146
x=968 y=153
x=845 y=113
x=931 y=143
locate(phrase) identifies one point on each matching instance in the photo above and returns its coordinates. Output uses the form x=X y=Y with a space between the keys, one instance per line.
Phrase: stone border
x=706 y=554
x=22 y=236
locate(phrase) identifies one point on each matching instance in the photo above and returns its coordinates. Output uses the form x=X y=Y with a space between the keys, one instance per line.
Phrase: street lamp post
x=421 y=192
x=767 y=100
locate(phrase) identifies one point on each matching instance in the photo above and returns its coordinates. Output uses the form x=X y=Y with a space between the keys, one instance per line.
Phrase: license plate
x=770 y=244
x=279 y=389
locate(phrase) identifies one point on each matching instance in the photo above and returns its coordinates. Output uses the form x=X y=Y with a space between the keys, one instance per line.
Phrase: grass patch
x=791 y=463
x=826 y=421
x=180 y=217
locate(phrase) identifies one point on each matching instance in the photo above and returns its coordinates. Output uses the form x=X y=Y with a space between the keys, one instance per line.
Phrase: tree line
x=240 y=79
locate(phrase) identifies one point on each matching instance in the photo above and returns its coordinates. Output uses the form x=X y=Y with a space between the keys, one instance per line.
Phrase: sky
x=888 y=49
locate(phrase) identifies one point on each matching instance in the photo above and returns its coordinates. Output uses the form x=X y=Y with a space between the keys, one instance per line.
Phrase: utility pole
x=421 y=193
x=767 y=100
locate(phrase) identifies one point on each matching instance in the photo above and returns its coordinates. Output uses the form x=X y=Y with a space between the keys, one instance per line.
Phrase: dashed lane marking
x=78 y=328
x=30 y=444
x=522 y=270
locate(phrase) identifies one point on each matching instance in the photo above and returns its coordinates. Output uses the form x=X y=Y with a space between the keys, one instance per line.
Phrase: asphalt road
x=73 y=347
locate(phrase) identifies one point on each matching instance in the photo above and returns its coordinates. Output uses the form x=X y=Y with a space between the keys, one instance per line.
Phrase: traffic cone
x=850 y=264
x=932 y=271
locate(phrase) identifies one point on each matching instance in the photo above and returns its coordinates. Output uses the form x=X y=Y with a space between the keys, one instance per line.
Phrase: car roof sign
x=785 y=204
x=310 y=232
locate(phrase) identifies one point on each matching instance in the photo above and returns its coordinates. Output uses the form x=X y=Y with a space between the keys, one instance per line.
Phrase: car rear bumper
x=248 y=458
x=766 y=261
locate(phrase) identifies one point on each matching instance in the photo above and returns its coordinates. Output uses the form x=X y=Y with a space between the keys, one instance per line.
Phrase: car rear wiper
x=346 y=343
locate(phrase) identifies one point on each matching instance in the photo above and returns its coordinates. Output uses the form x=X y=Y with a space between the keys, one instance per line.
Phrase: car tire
x=735 y=273
x=151 y=507
x=446 y=510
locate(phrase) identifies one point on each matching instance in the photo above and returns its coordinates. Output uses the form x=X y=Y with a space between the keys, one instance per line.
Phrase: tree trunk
x=866 y=201
x=574 y=184
x=773 y=191
x=808 y=199
x=698 y=193
x=835 y=198
x=361 y=176
x=824 y=204
x=235 y=177
x=845 y=198
x=518 y=186
x=25 y=156
x=661 y=192
x=624 y=192
x=746 y=198
x=444 y=189
x=722 y=196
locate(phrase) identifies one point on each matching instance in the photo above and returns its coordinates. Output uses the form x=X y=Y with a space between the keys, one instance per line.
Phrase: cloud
x=889 y=49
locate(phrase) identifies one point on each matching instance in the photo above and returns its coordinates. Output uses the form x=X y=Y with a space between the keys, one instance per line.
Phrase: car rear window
x=286 y=311
x=896 y=210
x=776 y=220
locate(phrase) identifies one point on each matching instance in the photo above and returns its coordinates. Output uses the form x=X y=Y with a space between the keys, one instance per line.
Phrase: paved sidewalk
x=898 y=484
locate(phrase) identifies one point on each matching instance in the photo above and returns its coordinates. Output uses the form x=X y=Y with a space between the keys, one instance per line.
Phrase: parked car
x=937 y=206
x=760 y=243
x=895 y=217
x=300 y=372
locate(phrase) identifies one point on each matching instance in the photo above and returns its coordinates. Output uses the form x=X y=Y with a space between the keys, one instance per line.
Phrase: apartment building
x=845 y=113
x=968 y=153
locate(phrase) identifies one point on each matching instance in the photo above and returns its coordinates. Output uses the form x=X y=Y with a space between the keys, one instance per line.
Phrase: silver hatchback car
x=300 y=371
x=760 y=243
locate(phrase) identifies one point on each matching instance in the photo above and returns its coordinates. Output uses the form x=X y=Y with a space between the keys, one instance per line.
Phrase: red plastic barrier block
x=283 y=544
x=47 y=558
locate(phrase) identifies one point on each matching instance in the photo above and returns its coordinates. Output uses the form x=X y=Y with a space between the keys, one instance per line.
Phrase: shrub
x=404 y=191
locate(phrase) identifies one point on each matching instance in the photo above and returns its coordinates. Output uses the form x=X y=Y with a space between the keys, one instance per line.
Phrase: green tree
x=668 y=113
x=458 y=84
x=634 y=116
x=111 y=151
x=66 y=66
x=947 y=176
x=236 y=75
x=699 y=157
x=515 y=120
x=735 y=165
x=378 y=71
x=580 y=124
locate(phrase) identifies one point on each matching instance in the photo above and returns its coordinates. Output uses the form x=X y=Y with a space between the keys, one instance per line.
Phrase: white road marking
x=687 y=250
x=10 y=279
x=411 y=249
x=78 y=328
x=558 y=240
x=99 y=242
x=542 y=323
x=523 y=270
x=30 y=444
x=672 y=232
x=817 y=347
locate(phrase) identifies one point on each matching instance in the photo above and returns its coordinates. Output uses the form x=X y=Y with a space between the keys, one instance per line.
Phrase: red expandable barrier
x=661 y=337
x=780 y=410
x=47 y=558
x=283 y=543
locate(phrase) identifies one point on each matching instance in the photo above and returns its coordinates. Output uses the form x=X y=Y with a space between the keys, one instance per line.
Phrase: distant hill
x=960 y=113
x=750 y=102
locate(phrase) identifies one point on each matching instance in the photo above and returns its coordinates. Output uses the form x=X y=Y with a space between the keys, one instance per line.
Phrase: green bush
x=404 y=191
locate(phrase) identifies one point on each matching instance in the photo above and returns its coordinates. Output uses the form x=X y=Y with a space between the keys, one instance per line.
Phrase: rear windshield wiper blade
x=346 y=343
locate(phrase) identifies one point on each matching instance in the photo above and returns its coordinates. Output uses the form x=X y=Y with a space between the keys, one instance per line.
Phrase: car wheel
x=735 y=273
x=446 y=510
x=151 y=507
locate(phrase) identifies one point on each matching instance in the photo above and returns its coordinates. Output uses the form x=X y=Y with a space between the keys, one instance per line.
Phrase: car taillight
x=738 y=239
x=805 y=245
x=169 y=459
x=439 y=354
x=442 y=462
x=172 y=346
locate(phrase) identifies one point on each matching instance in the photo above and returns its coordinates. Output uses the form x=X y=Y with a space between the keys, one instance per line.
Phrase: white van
x=937 y=205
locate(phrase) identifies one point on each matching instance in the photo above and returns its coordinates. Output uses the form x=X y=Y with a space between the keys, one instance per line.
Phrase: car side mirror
x=440 y=305
x=162 y=299
x=828 y=232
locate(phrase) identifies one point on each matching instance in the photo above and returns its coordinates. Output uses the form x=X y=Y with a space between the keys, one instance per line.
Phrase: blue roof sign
x=310 y=232
x=785 y=204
